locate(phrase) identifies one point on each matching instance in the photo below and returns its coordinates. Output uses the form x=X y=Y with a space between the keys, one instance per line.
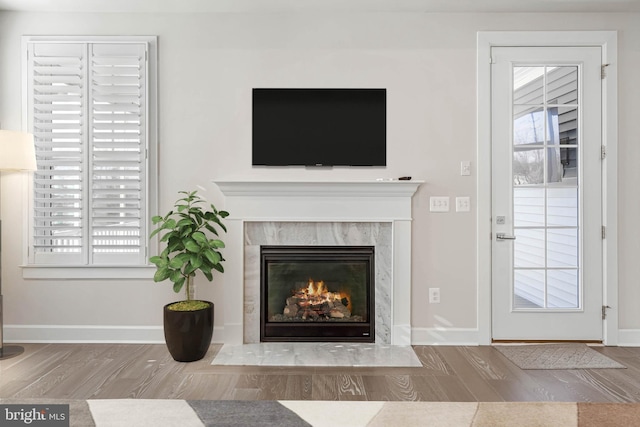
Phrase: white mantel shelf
x=388 y=188
x=319 y=201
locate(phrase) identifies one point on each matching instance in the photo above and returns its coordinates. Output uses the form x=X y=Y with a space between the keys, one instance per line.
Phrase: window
x=90 y=108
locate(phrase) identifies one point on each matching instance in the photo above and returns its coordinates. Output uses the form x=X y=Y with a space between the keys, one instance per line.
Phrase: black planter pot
x=188 y=333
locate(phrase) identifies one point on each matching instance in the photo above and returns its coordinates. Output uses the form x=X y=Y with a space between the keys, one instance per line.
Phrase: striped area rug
x=234 y=413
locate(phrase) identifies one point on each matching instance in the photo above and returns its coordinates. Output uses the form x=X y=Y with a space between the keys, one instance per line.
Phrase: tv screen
x=319 y=127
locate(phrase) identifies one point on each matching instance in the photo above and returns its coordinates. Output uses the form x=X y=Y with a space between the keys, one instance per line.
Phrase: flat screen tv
x=319 y=127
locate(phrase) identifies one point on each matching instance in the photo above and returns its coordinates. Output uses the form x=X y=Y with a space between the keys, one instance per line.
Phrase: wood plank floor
x=458 y=374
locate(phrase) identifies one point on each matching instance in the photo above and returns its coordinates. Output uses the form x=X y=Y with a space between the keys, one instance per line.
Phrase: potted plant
x=187 y=230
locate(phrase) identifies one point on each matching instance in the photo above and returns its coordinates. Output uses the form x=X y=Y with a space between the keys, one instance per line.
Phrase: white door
x=546 y=193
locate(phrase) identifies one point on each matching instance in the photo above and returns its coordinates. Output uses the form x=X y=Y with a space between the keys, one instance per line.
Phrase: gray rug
x=557 y=356
x=246 y=413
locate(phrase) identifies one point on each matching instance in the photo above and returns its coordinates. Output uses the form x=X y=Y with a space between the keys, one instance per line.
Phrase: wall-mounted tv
x=319 y=127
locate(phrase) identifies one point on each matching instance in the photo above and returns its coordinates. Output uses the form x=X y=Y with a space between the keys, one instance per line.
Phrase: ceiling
x=203 y=6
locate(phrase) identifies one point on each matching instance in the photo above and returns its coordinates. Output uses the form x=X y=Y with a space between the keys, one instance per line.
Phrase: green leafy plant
x=188 y=247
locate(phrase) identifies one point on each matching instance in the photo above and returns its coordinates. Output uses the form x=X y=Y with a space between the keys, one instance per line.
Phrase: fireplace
x=317 y=293
x=263 y=212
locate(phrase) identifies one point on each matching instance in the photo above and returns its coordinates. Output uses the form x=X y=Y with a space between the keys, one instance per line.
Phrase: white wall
x=207 y=65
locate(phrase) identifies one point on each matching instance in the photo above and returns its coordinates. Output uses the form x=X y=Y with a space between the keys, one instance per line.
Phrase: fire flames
x=317 y=292
x=314 y=302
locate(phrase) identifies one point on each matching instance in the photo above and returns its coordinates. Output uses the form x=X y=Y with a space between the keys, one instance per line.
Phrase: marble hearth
x=374 y=213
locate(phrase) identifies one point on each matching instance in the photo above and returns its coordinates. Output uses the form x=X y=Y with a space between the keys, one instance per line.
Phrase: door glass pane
x=529 y=289
x=528 y=125
x=528 y=206
x=529 y=246
x=562 y=206
x=528 y=84
x=528 y=166
x=562 y=85
x=546 y=252
x=562 y=247
x=562 y=288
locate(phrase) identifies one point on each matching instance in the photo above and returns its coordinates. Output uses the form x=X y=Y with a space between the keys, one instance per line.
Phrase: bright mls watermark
x=34 y=415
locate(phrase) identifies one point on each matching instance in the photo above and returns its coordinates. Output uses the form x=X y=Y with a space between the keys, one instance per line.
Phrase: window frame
x=144 y=270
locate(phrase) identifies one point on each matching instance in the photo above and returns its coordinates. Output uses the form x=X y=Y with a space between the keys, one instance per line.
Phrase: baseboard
x=444 y=336
x=629 y=337
x=91 y=334
x=155 y=335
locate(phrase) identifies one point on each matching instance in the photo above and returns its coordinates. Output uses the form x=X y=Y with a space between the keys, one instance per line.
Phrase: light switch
x=465 y=168
x=434 y=295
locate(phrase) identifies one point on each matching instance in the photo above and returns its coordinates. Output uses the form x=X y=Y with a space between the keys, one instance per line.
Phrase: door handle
x=503 y=236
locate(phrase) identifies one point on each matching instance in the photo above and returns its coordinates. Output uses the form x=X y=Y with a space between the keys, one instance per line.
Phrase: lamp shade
x=17 y=151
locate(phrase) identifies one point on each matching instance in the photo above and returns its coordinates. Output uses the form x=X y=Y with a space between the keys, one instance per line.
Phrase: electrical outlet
x=434 y=295
x=439 y=204
x=463 y=204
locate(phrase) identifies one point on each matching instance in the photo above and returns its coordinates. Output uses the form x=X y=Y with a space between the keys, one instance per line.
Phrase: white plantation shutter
x=58 y=77
x=88 y=108
x=118 y=135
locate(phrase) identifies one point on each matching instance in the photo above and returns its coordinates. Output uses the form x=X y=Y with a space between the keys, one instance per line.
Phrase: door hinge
x=604 y=232
x=603 y=71
x=603 y=152
x=604 y=311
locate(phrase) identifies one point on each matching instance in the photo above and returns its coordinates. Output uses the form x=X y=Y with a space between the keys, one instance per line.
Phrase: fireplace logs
x=315 y=304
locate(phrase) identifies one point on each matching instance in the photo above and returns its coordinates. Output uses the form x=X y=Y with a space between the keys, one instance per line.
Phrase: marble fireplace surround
x=377 y=234
x=374 y=213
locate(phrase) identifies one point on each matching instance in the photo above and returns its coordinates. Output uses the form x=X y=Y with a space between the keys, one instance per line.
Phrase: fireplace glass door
x=317 y=293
